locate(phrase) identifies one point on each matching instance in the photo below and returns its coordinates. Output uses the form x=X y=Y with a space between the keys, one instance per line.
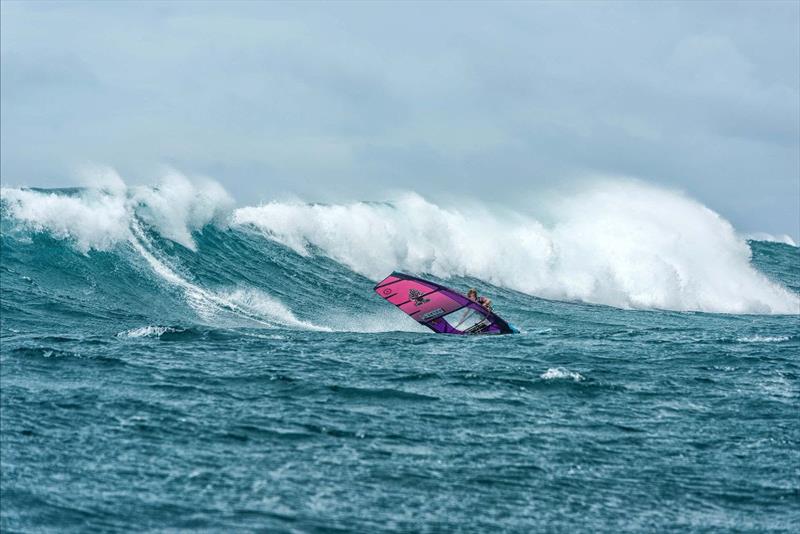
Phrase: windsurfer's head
x=472 y=294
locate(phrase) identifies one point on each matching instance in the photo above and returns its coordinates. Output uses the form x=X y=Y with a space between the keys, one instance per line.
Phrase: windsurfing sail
x=440 y=308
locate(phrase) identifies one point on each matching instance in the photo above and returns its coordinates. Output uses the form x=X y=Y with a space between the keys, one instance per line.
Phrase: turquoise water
x=235 y=380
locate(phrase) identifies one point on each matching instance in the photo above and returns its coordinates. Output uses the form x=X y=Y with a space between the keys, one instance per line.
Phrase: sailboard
x=440 y=308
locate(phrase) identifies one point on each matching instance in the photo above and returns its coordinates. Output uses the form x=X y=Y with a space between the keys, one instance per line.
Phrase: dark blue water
x=244 y=386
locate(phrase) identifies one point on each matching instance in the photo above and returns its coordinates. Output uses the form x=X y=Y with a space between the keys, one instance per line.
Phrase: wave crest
x=619 y=243
x=99 y=216
x=616 y=242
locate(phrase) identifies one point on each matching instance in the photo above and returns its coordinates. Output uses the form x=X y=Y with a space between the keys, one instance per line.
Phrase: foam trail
x=250 y=304
x=147 y=331
x=618 y=242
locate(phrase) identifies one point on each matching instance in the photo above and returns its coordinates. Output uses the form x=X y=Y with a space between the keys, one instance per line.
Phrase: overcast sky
x=343 y=101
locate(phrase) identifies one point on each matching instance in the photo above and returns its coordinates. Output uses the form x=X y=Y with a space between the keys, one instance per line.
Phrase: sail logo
x=416 y=296
x=433 y=314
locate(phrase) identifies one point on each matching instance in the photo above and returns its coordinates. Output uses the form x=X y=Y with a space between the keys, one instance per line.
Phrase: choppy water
x=160 y=370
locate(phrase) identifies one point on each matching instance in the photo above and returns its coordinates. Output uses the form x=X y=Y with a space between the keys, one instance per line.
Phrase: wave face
x=621 y=244
x=170 y=362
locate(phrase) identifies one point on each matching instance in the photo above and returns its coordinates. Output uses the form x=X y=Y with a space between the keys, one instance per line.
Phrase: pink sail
x=440 y=308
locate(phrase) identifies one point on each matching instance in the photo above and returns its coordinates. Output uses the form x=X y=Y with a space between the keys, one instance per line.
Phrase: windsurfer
x=486 y=302
x=472 y=295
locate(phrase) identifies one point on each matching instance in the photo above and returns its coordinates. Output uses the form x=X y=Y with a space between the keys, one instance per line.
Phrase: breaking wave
x=769 y=238
x=101 y=215
x=617 y=242
x=622 y=244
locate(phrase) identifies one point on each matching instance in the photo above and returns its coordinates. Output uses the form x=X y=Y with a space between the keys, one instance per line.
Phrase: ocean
x=171 y=362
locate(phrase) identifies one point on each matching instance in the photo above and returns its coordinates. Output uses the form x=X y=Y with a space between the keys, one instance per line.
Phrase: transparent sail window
x=464 y=319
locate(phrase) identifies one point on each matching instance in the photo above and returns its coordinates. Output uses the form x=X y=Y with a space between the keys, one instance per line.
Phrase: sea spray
x=622 y=243
x=615 y=242
x=99 y=217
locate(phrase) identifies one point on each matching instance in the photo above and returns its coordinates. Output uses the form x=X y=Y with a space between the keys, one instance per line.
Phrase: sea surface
x=168 y=366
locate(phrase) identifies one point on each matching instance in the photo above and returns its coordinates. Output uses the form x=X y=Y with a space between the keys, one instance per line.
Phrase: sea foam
x=99 y=216
x=616 y=242
x=762 y=339
x=247 y=304
x=559 y=373
x=147 y=331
